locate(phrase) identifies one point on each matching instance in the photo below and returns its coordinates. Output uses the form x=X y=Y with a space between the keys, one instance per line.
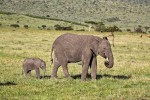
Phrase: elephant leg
x=29 y=72
x=65 y=70
x=26 y=71
x=93 y=65
x=86 y=61
x=37 y=71
x=55 y=69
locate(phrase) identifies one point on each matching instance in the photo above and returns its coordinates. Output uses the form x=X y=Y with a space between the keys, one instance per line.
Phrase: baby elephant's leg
x=37 y=71
x=26 y=71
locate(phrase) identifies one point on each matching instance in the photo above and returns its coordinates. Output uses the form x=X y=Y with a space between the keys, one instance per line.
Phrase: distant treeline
x=97 y=26
x=56 y=19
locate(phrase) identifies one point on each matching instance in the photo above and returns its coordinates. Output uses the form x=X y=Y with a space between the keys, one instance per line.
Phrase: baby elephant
x=34 y=64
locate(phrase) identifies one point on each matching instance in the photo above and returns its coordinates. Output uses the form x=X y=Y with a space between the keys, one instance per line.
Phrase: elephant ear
x=94 y=44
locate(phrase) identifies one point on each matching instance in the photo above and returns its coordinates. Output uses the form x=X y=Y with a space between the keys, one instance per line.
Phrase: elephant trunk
x=44 y=71
x=110 y=62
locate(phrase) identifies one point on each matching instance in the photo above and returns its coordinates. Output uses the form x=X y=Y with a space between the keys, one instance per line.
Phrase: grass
x=35 y=22
x=129 y=79
x=129 y=13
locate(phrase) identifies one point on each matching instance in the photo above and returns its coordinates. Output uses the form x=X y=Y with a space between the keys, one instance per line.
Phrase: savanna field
x=129 y=79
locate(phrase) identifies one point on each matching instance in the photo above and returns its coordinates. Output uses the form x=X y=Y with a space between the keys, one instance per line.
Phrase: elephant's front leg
x=93 y=65
x=85 y=63
x=37 y=71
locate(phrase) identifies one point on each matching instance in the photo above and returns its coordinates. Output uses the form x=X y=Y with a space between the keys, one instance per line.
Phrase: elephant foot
x=83 y=79
x=93 y=80
x=67 y=76
x=93 y=77
x=53 y=77
x=40 y=77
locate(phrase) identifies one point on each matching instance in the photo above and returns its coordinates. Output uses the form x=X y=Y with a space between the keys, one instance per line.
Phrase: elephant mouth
x=108 y=64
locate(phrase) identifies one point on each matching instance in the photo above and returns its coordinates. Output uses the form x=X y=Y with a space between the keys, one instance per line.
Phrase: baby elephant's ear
x=105 y=38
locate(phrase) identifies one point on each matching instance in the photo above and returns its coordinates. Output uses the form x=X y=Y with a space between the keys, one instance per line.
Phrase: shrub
x=43 y=26
x=113 y=19
x=26 y=26
x=0 y=24
x=100 y=27
x=14 y=25
x=80 y=30
x=47 y=15
x=138 y=29
x=128 y=30
x=113 y=29
x=58 y=27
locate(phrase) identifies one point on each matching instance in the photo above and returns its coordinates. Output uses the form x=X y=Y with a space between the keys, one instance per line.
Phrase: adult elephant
x=69 y=48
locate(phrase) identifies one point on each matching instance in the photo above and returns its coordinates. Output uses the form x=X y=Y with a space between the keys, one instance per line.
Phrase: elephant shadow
x=78 y=76
x=123 y=77
x=7 y=83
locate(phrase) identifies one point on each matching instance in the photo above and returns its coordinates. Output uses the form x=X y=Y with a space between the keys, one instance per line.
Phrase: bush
x=47 y=15
x=113 y=19
x=128 y=30
x=138 y=29
x=43 y=26
x=26 y=26
x=58 y=27
x=113 y=29
x=0 y=24
x=80 y=30
x=100 y=27
x=14 y=25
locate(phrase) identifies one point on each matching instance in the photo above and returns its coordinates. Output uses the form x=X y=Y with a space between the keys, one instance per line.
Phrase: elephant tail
x=51 y=55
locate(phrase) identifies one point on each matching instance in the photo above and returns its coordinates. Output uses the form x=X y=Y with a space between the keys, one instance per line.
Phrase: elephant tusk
x=106 y=59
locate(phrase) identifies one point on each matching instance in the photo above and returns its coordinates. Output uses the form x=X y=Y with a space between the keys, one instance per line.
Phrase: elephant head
x=104 y=50
x=43 y=67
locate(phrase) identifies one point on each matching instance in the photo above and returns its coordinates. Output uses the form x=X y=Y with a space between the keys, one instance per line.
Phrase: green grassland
x=129 y=79
x=123 y=13
x=34 y=22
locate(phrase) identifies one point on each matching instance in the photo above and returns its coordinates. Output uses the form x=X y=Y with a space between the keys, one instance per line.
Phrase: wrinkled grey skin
x=30 y=64
x=69 y=48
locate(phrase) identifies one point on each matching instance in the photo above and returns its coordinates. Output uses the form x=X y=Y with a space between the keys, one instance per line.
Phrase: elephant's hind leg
x=55 y=69
x=65 y=70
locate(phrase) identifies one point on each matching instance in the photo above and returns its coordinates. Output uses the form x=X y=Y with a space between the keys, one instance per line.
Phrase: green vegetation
x=24 y=21
x=122 y=13
x=28 y=29
x=129 y=79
